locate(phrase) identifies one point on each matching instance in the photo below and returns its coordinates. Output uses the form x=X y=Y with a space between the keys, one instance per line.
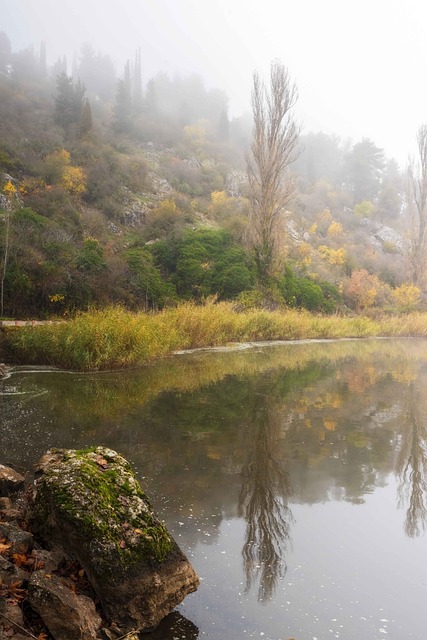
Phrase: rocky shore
x=82 y=552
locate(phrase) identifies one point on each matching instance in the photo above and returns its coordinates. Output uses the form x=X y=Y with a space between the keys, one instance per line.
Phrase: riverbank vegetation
x=114 y=337
x=138 y=194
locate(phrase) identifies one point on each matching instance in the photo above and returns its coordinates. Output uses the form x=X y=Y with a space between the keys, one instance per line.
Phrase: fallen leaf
x=4 y=546
x=19 y=559
x=15 y=591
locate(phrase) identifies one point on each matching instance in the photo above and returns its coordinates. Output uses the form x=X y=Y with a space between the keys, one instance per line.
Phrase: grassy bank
x=114 y=338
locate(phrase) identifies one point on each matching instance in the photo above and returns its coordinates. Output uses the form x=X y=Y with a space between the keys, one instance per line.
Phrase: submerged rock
x=90 y=503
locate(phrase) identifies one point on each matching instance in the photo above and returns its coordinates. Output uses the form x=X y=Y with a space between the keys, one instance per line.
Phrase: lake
x=293 y=475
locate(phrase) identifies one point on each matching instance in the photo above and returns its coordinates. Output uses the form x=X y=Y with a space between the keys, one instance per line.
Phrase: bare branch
x=274 y=147
x=417 y=208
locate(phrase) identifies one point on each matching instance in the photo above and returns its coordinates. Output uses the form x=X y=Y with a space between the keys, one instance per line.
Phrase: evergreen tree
x=42 y=61
x=224 y=126
x=59 y=67
x=86 y=124
x=122 y=109
x=151 y=99
x=5 y=52
x=68 y=102
x=137 y=84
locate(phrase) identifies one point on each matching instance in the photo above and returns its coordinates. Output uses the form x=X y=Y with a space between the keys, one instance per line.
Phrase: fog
x=356 y=63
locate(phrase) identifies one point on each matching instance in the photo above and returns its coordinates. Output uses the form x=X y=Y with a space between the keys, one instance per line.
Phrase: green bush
x=305 y=293
x=145 y=281
x=208 y=262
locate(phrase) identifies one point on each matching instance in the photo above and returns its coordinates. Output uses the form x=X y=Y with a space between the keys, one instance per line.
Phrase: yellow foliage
x=333 y=256
x=196 y=135
x=9 y=189
x=330 y=425
x=304 y=251
x=335 y=229
x=406 y=297
x=218 y=198
x=325 y=216
x=32 y=185
x=74 y=180
x=364 y=209
x=363 y=288
x=165 y=208
x=62 y=155
x=334 y=400
x=313 y=229
x=221 y=204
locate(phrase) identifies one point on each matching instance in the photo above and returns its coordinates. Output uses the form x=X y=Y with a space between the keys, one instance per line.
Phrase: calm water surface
x=294 y=476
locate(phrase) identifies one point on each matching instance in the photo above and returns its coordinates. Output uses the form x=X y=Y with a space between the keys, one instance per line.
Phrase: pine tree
x=122 y=109
x=224 y=126
x=42 y=61
x=68 y=102
x=86 y=124
x=137 y=84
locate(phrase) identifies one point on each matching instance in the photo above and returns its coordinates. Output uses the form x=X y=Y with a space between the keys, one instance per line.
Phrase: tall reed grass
x=116 y=338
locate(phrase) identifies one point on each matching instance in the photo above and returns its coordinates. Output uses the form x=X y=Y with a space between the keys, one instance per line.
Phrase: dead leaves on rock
x=15 y=595
x=13 y=592
x=102 y=462
x=4 y=547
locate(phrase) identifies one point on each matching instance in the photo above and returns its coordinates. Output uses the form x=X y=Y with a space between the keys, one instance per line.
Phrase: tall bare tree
x=417 y=208
x=274 y=147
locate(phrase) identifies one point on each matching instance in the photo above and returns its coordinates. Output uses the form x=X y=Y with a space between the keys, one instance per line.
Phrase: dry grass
x=116 y=338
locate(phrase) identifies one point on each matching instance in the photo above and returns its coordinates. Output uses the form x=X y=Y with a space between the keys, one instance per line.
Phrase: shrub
x=406 y=297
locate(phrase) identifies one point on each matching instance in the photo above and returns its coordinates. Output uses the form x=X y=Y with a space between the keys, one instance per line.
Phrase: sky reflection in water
x=293 y=476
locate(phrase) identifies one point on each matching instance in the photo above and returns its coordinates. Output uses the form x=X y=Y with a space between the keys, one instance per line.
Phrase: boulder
x=10 y=573
x=20 y=541
x=10 y=481
x=11 y=620
x=90 y=503
x=9 y=511
x=68 y=616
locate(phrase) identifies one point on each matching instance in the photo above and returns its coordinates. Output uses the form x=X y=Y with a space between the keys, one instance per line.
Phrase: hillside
x=116 y=191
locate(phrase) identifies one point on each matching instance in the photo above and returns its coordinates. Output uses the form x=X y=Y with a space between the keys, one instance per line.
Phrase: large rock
x=19 y=541
x=11 y=620
x=11 y=481
x=68 y=616
x=90 y=503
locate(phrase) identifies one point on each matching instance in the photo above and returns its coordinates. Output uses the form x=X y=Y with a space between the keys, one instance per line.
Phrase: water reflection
x=412 y=464
x=263 y=502
x=174 y=625
x=235 y=444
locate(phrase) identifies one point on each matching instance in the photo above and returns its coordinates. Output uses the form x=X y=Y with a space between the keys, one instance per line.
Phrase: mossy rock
x=90 y=503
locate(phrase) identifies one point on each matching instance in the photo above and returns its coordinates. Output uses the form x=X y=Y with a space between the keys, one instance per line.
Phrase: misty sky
x=359 y=64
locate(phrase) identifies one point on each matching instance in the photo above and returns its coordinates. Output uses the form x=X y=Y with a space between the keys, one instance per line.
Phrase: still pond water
x=294 y=476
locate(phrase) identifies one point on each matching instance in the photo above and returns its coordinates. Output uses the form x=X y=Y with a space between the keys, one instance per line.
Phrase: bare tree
x=412 y=466
x=273 y=149
x=417 y=208
x=6 y=208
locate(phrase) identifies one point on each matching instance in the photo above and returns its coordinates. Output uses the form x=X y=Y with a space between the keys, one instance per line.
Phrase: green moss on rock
x=97 y=490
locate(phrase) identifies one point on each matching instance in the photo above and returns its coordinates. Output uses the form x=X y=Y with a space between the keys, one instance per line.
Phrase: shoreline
x=117 y=339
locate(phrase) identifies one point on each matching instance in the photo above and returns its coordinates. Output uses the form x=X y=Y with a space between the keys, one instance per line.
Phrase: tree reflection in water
x=412 y=466
x=263 y=502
